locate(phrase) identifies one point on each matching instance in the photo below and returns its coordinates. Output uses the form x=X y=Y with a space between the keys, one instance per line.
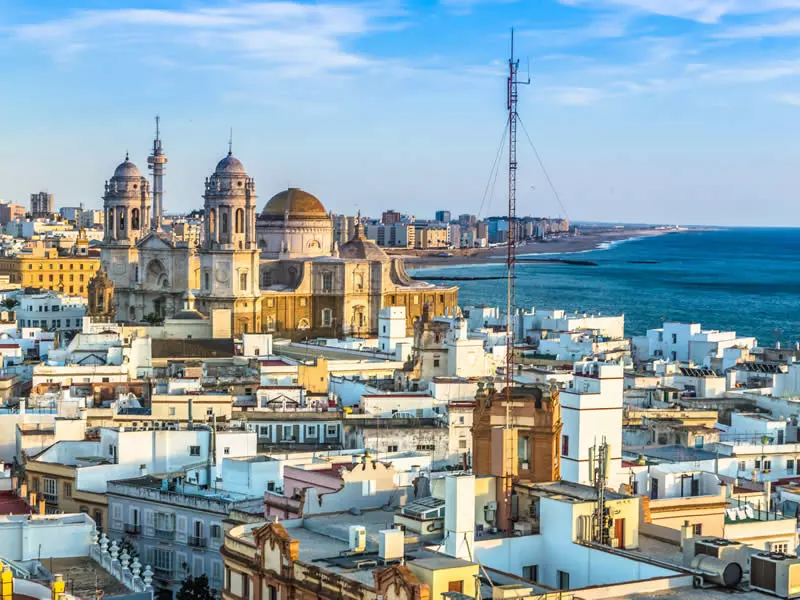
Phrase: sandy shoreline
x=587 y=241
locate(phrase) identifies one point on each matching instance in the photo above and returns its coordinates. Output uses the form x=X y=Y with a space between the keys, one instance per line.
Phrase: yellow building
x=45 y=268
x=446 y=574
x=55 y=483
x=431 y=237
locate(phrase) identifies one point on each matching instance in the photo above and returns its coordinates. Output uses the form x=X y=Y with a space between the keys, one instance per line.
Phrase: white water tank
x=358 y=538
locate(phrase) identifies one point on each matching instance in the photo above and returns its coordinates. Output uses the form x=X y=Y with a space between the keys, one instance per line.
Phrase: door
x=619 y=532
x=695 y=487
x=654 y=489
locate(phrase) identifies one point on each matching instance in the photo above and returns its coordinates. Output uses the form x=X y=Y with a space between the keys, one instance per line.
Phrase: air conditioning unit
x=522 y=528
x=776 y=574
x=358 y=538
x=727 y=551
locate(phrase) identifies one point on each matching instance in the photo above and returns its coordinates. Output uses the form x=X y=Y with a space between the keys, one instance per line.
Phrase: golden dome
x=297 y=203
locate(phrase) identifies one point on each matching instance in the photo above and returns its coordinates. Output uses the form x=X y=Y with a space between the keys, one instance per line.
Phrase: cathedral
x=277 y=270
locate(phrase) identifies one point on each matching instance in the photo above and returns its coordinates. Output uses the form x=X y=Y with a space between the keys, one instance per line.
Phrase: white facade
x=257 y=344
x=687 y=342
x=51 y=310
x=536 y=321
x=591 y=411
x=392 y=331
x=32 y=537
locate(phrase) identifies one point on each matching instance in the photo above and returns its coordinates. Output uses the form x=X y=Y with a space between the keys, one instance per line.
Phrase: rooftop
x=568 y=490
x=672 y=453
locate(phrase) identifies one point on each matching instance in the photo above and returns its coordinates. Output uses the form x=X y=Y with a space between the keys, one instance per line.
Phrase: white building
x=392 y=334
x=30 y=537
x=576 y=346
x=591 y=412
x=535 y=322
x=51 y=310
x=687 y=342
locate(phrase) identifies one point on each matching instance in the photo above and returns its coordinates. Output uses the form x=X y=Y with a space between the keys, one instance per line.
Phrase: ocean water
x=747 y=280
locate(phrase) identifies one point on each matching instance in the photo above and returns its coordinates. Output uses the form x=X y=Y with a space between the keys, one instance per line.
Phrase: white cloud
x=704 y=11
x=465 y=7
x=788 y=98
x=754 y=73
x=294 y=39
x=787 y=28
x=576 y=96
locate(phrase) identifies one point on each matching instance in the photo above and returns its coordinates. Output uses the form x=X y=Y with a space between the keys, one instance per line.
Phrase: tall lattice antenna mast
x=511 y=256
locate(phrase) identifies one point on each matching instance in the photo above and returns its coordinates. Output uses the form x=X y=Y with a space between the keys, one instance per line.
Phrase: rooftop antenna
x=230 y=143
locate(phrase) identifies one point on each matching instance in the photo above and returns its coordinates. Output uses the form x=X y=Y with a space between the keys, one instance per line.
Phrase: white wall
x=51 y=536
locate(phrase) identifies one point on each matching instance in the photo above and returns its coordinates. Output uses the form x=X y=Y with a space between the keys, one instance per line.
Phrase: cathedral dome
x=230 y=165
x=360 y=248
x=127 y=169
x=298 y=204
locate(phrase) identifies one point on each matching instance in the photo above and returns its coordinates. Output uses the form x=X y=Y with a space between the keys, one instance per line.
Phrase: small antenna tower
x=599 y=463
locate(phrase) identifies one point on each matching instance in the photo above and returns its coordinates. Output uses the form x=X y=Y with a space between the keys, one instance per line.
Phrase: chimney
x=459 y=516
x=57 y=587
x=6 y=583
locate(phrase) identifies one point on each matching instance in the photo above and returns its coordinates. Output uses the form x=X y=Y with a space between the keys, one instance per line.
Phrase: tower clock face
x=223 y=274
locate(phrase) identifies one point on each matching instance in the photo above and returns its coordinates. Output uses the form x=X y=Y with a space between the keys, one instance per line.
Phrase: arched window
x=239 y=220
x=327 y=282
x=135 y=219
x=224 y=221
x=327 y=317
x=212 y=221
x=122 y=220
x=207 y=282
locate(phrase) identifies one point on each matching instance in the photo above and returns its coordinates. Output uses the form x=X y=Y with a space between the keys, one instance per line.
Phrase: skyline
x=643 y=110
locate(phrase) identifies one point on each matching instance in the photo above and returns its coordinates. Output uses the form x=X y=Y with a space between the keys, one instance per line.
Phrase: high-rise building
x=343 y=228
x=390 y=217
x=466 y=220
x=443 y=216
x=9 y=212
x=42 y=205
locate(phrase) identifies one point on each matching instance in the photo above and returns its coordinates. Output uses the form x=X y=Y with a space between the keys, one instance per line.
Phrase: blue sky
x=678 y=111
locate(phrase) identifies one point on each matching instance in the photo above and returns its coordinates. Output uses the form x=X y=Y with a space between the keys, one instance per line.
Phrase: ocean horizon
x=741 y=279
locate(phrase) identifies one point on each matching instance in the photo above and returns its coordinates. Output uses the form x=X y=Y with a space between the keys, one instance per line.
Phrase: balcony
x=132 y=529
x=198 y=541
x=164 y=572
x=50 y=498
x=165 y=534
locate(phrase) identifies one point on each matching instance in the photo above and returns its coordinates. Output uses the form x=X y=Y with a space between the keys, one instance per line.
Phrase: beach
x=589 y=239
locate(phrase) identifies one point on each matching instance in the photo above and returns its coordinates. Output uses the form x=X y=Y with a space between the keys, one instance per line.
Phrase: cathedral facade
x=274 y=271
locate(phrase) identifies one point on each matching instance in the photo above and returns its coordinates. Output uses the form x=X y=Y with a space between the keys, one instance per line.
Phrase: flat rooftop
x=671 y=453
x=569 y=490
x=83 y=576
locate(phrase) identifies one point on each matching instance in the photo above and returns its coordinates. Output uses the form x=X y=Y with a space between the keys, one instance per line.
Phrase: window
x=742 y=465
x=327 y=282
x=790 y=465
x=531 y=572
x=272 y=593
x=564 y=445
x=98 y=518
x=327 y=317
x=426 y=447
x=171 y=411
x=758 y=464
x=523 y=451
x=333 y=430
x=311 y=431
x=226 y=450
x=207 y=281
x=224 y=219
x=239 y=218
x=780 y=547
x=50 y=490
x=243 y=282
x=194 y=450
x=563 y=580
x=435 y=362
x=697 y=529
x=456 y=586
x=163 y=560
x=67 y=490
x=674 y=338
x=462 y=444
x=391 y=448
x=216 y=532
x=767 y=465
x=245 y=586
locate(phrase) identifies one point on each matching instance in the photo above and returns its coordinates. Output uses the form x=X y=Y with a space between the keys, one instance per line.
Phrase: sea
x=745 y=280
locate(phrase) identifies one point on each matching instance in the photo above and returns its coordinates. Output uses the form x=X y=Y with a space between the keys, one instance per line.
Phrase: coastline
x=586 y=242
